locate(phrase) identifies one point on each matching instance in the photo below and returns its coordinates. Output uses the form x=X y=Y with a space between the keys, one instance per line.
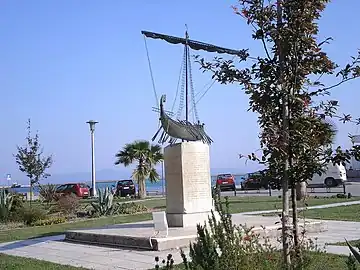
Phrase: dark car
x=225 y=182
x=79 y=189
x=260 y=180
x=255 y=181
x=125 y=188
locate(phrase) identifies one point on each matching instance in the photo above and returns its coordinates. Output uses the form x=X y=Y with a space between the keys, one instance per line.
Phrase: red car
x=225 y=182
x=79 y=189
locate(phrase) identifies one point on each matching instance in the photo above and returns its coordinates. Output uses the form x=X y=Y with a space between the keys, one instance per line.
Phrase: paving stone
x=103 y=258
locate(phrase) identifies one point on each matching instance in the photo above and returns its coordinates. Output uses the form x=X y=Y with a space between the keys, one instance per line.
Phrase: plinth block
x=188 y=184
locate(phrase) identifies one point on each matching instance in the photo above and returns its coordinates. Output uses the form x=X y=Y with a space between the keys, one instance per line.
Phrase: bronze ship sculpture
x=172 y=130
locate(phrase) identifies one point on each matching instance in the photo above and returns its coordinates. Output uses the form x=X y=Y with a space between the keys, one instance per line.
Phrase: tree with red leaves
x=296 y=142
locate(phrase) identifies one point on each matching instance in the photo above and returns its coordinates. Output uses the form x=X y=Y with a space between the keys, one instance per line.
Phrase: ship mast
x=171 y=130
x=195 y=45
x=186 y=78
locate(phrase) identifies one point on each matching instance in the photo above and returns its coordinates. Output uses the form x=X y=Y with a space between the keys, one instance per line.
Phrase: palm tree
x=147 y=156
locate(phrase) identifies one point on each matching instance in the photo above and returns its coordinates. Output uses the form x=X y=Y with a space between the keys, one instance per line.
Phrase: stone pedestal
x=188 y=184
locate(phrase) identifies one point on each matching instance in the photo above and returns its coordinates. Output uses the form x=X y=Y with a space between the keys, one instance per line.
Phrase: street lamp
x=162 y=178
x=92 y=130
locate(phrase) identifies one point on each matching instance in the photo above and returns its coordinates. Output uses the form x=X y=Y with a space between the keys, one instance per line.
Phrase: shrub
x=167 y=264
x=68 y=204
x=50 y=221
x=341 y=196
x=354 y=252
x=29 y=215
x=130 y=208
x=6 y=200
x=351 y=263
x=18 y=202
x=104 y=204
x=48 y=192
x=16 y=208
x=223 y=245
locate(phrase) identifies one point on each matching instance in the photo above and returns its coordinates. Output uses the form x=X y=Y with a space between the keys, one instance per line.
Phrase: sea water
x=155 y=187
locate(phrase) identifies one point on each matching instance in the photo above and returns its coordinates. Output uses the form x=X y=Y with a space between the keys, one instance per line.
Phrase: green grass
x=344 y=213
x=237 y=205
x=244 y=204
x=32 y=232
x=319 y=261
x=354 y=243
x=88 y=200
x=256 y=203
x=19 y=263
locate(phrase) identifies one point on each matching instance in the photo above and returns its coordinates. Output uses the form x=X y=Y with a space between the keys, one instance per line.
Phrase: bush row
x=13 y=208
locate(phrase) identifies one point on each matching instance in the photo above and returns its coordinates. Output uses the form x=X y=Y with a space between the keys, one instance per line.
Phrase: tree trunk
x=300 y=191
x=285 y=142
x=285 y=218
x=31 y=192
x=295 y=218
x=142 y=190
x=285 y=187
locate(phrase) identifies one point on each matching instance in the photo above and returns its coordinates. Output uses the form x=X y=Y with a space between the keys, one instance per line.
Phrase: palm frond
x=141 y=145
x=147 y=155
x=124 y=157
x=155 y=155
x=153 y=175
x=155 y=148
x=140 y=173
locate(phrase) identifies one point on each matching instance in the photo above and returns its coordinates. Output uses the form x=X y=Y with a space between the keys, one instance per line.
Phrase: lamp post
x=93 y=183
x=162 y=178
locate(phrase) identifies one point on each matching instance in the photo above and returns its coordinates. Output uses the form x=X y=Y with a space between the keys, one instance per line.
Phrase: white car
x=335 y=175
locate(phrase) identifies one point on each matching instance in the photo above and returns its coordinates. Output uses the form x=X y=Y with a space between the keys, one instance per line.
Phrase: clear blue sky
x=65 y=62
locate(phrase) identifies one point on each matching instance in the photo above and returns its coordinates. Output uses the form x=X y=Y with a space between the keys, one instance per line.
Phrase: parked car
x=334 y=175
x=255 y=181
x=225 y=182
x=79 y=189
x=125 y=188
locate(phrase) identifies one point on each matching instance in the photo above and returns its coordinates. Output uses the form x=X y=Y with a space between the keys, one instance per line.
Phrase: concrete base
x=122 y=241
x=189 y=220
x=140 y=235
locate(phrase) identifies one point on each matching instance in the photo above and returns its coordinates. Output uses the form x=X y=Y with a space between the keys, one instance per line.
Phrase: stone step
x=139 y=235
x=131 y=242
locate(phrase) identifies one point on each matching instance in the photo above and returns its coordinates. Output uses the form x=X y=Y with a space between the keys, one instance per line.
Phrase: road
x=352 y=187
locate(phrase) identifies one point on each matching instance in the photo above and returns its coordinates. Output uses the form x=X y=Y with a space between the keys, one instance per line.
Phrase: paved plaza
x=54 y=249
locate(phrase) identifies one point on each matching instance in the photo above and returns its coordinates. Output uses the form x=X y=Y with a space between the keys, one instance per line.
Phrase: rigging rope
x=194 y=110
x=193 y=95
x=213 y=82
x=151 y=73
x=182 y=94
x=204 y=93
x=205 y=85
x=178 y=84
